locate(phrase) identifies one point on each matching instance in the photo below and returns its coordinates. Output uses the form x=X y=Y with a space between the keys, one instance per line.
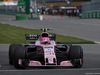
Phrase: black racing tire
x=12 y=48
x=76 y=56
x=19 y=54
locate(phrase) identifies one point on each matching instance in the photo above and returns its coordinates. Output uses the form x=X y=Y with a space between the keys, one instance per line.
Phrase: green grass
x=16 y=35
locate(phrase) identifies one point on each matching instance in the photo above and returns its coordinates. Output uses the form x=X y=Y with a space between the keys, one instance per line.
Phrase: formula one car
x=45 y=52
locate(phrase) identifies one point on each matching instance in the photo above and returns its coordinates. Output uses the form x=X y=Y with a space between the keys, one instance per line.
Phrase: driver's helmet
x=45 y=41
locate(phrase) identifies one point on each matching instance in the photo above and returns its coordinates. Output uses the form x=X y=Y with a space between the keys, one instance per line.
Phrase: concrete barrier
x=91 y=15
x=19 y=17
x=98 y=15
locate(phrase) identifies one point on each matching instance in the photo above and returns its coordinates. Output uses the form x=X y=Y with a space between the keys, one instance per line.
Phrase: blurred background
x=72 y=8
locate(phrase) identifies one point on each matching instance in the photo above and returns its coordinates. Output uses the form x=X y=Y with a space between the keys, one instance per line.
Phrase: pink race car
x=45 y=52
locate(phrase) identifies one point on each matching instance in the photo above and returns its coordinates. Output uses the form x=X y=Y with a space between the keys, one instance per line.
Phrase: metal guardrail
x=91 y=6
x=91 y=10
x=8 y=9
x=11 y=10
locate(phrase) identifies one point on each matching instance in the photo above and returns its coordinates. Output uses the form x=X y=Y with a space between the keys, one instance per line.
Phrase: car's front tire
x=19 y=54
x=76 y=56
x=12 y=48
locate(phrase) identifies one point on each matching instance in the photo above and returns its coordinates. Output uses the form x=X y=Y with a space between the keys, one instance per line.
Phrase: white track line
x=92 y=73
x=97 y=42
x=41 y=70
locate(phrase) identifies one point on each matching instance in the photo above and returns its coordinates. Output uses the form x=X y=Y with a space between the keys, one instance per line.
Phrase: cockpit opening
x=45 y=35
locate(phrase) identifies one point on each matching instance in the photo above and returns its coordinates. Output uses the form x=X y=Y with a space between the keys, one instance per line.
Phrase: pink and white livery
x=45 y=52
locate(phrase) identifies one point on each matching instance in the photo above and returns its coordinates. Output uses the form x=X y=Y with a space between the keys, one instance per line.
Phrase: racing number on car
x=50 y=53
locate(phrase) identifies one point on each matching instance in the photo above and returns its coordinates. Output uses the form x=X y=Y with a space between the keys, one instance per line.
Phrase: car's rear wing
x=36 y=36
x=32 y=36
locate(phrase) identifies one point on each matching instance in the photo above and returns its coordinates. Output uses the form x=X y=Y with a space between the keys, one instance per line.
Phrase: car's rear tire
x=12 y=48
x=19 y=54
x=76 y=56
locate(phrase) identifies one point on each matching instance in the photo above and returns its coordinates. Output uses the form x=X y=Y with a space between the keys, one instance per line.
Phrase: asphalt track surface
x=91 y=64
x=87 y=29
x=83 y=28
